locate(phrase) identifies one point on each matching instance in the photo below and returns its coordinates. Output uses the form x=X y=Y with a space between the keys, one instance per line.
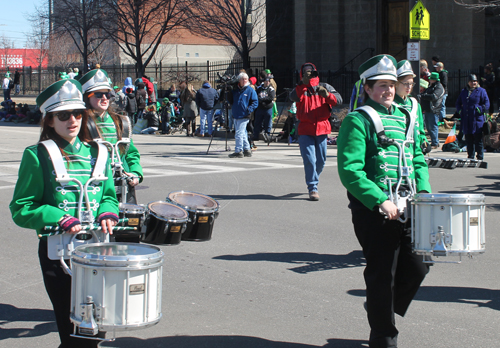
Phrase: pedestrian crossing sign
x=419 y=22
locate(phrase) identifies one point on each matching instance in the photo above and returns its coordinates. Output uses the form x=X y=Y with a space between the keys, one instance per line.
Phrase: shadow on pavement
x=489 y=298
x=9 y=314
x=306 y=262
x=226 y=342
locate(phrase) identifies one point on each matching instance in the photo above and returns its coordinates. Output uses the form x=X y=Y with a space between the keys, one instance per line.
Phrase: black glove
x=426 y=147
x=322 y=91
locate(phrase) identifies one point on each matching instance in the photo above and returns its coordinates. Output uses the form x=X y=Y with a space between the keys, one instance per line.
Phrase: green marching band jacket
x=39 y=200
x=364 y=166
x=407 y=104
x=131 y=158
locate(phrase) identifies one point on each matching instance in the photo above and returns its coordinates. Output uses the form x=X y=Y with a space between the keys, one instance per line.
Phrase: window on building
x=196 y=55
x=187 y=55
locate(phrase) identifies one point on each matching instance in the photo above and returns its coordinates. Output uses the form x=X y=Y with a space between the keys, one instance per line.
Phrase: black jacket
x=131 y=105
x=266 y=96
x=152 y=118
x=432 y=98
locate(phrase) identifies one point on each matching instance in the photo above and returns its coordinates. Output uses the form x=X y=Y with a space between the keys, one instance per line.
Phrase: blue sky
x=13 y=21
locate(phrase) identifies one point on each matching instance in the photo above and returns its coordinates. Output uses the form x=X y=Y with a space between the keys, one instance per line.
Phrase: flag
x=452 y=136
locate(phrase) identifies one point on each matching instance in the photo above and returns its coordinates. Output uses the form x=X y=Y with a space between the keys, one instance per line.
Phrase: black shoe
x=236 y=155
x=247 y=153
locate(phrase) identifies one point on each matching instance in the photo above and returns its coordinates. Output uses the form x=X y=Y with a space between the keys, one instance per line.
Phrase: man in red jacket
x=314 y=101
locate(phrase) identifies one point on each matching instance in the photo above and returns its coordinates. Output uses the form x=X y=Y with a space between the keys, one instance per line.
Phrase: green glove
x=306 y=78
x=322 y=91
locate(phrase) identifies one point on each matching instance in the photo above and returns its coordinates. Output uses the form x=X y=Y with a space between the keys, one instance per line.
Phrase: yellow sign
x=419 y=22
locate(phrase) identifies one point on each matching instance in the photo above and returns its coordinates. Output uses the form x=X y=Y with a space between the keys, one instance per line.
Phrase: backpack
x=11 y=84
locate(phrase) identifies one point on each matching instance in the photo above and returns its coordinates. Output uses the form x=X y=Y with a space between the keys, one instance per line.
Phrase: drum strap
x=62 y=175
x=94 y=133
x=55 y=155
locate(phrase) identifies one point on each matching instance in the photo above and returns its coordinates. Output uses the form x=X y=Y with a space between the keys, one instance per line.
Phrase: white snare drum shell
x=454 y=221
x=124 y=280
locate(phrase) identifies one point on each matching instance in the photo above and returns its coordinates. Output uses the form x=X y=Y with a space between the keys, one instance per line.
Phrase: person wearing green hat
x=403 y=98
x=432 y=103
x=111 y=127
x=6 y=86
x=372 y=142
x=45 y=196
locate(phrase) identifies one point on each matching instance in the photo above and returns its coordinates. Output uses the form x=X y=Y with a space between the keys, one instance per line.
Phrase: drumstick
x=57 y=230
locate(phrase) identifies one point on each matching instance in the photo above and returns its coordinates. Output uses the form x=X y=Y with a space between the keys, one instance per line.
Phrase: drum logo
x=175 y=229
x=133 y=221
x=474 y=221
x=203 y=219
x=136 y=289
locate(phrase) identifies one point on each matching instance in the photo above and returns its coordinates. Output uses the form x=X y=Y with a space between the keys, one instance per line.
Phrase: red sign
x=19 y=57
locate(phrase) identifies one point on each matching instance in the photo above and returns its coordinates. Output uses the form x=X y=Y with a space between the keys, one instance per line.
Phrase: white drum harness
x=396 y=195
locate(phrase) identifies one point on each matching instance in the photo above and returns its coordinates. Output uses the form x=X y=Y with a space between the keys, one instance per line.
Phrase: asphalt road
x=280 y=271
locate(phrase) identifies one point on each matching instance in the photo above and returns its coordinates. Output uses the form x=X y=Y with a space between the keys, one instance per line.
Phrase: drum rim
x=121 y=209
x=189 y=208
x=180 y=220
x=446 y=197
x=85 y=258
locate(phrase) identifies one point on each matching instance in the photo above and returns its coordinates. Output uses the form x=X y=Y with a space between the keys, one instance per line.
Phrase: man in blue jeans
x=206 y=98
x=314 y=101
x=432 y=103
x=244 y=101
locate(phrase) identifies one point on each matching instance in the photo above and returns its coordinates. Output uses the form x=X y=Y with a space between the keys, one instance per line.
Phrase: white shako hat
x=95 y=80
x=60 y=96
x=404 y=69
x=381 y=67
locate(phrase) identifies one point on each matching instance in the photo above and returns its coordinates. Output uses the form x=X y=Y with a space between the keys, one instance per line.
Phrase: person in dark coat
x=141 y=97
x=131 y=103
x=433 y=94
x=206 y=98
x=472 y=104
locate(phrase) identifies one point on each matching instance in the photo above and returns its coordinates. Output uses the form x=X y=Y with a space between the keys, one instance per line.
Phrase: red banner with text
x=14 y=58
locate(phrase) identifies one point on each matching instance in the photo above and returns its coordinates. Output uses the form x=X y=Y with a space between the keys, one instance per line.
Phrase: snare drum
x=166 y=223
x=446 y=224
x=136 y=215
x=203 y=210
x=115 y=286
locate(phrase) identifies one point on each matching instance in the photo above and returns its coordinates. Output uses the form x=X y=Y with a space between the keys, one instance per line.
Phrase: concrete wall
x=457 y=35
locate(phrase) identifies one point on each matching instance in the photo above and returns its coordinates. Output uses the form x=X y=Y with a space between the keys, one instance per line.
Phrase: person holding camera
x=244 y=101
x=314 y=101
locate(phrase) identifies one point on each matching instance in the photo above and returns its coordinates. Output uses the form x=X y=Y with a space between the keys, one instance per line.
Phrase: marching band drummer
x=403 y=98
x=368 y=167
x=112 y=127
x=39 y=200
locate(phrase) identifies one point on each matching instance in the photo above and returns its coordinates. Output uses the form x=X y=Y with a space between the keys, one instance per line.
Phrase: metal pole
x=415 y=66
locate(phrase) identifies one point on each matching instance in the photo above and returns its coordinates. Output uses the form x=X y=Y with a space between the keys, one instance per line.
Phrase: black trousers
x=58 y=287
x=475 y=144
x=393 y=273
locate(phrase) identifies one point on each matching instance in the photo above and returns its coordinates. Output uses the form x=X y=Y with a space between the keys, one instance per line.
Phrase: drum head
x=119 y=254
x=131 y=208
x=167 y=211
x=193 y=201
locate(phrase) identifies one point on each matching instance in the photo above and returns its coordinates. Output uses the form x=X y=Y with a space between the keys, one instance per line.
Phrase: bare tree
x=6 y=45
x=139 y=27
x=479 y=5
x=238 y=23
x=78 y=19
x=38 y=38
x=63 y=54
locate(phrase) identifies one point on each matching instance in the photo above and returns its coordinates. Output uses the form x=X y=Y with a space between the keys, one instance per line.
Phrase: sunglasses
x=65 y=115
x=99 y=95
